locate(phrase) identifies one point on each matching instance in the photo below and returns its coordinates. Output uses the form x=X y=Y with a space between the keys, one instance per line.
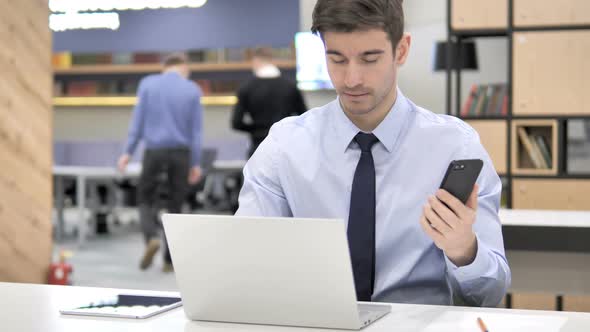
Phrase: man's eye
x=337 y=61
x=370 y=60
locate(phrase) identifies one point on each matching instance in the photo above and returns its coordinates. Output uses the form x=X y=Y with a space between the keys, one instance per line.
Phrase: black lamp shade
x=465 y=58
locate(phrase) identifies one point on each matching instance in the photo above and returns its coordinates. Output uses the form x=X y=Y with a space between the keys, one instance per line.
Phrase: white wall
x=112 y=123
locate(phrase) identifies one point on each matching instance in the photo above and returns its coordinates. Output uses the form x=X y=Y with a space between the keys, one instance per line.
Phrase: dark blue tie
x=361 y=220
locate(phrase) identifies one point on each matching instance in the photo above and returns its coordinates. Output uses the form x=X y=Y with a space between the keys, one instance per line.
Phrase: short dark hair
x=174 y=59
x=354 y=15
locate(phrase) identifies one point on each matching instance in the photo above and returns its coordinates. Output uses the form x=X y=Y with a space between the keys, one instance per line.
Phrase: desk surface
x=133 y=170
x=28 y=307
x=544 y=218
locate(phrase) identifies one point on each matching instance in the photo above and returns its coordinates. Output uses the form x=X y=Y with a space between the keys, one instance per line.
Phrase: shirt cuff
x=476 y=269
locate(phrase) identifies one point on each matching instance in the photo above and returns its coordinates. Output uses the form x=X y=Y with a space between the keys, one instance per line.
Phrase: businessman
x=167 y=118
x=375 y=159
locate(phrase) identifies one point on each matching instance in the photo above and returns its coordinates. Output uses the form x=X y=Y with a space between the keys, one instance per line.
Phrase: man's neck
x=369 y=121
x=174 y=69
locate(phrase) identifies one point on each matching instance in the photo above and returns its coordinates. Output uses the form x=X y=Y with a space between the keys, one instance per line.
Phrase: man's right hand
x=194 y=175
x=123 y=162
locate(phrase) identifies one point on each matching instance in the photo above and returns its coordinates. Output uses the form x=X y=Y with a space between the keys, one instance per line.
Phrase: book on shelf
x=544 y=148
x=196 y=56
x=61 y=60
x=122 y=58
x=469 y=101
x=237 y=54
x=147 y=58
x=486 y=100
x=92 y=59
x=58 y=88
x=82 y=88
x=532 y=149
x=205 y=86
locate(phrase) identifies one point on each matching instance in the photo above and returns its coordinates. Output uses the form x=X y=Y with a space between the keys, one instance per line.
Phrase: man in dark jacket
x=265 y=99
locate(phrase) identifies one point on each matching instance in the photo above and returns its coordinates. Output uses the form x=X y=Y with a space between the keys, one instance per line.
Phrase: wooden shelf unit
x=551 y=73
x=550 y=194
x=547 y=78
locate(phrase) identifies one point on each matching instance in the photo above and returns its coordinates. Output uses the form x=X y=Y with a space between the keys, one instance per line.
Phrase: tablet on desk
x=125 y=306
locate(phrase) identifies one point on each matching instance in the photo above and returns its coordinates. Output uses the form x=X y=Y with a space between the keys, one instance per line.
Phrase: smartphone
x=460 y=177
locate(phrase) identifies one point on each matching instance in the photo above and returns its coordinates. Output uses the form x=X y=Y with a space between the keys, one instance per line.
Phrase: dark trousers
x=163 y=184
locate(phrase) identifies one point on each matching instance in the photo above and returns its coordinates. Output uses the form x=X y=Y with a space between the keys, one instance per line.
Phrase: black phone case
x=461 y=177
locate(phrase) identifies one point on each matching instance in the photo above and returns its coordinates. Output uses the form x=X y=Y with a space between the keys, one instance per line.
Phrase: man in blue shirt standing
x=375 y=159
x=167 y=117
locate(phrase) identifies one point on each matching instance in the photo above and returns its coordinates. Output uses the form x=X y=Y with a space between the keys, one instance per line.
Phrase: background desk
x=27 y=307
x=85 y=174
x=544 y=218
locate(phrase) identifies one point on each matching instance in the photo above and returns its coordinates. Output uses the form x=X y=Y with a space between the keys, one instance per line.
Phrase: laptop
x=260 y=270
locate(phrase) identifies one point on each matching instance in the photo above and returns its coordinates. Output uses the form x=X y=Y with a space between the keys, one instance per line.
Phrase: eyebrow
x=369 y=52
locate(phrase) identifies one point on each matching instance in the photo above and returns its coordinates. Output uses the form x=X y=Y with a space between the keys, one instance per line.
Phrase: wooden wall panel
x=551 y=194
x=548 y=12
x=550 y=75
x=493 y=136
x=534 y=301
x=25 y=141
x=576 y=303
x=479 y=14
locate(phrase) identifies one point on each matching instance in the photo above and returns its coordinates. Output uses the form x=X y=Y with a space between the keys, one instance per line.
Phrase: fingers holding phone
x=448 y=217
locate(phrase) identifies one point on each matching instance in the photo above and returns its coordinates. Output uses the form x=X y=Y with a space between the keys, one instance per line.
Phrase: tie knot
x=366 y=141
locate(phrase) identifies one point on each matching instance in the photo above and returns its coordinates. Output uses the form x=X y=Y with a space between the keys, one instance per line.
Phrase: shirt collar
x=387 y=131
x=268 y=71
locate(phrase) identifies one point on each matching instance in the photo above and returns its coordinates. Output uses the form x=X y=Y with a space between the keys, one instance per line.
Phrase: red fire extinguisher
x=59 y=272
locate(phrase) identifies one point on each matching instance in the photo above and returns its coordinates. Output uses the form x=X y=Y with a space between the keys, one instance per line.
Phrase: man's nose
x=353 y=76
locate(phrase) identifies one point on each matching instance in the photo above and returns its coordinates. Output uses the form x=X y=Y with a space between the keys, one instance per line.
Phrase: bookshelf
x=547 y=84
x=111 y=80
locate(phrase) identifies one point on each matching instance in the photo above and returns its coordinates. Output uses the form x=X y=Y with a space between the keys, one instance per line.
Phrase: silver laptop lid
x=281 y=271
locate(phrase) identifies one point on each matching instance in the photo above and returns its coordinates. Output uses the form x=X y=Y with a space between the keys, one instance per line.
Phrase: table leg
x=60 y=202
x=81 y=198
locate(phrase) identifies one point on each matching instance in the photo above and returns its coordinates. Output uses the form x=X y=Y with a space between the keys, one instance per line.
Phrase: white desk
x=27 y=307
x=545 y=218
x=84 y=174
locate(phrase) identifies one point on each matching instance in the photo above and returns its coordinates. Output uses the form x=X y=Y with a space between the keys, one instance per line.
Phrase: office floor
x=112 y=259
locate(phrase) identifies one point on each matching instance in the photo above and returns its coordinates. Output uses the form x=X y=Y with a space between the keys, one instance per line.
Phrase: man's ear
x=403 y=49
